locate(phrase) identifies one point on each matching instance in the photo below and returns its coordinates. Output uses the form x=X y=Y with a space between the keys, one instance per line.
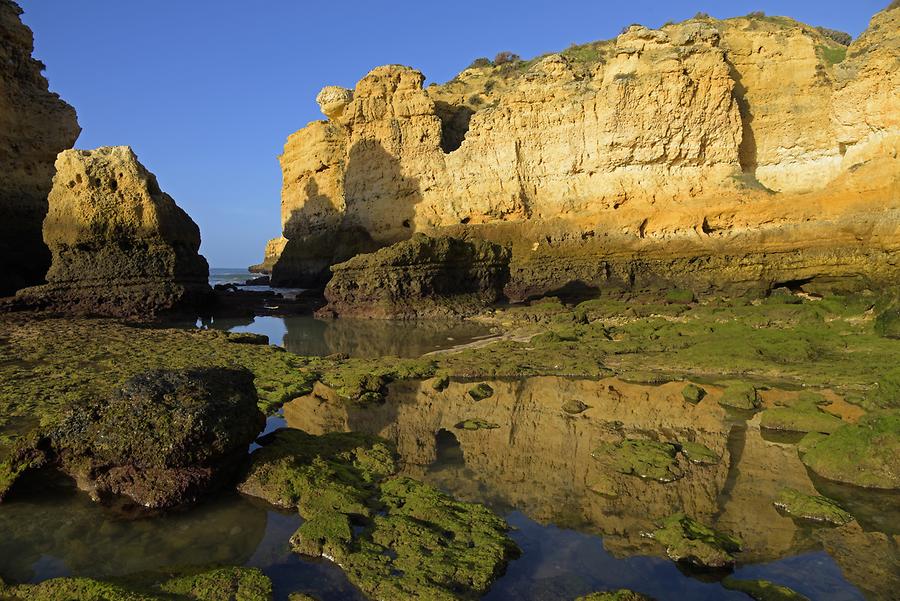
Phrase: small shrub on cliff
x=480 y=63
x=757 y=14
x=702 y=15
x=505 y=57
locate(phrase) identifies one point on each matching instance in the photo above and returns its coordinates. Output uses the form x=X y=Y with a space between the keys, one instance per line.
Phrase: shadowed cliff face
x=35 y=125
x=529 y=454
x=717 y=155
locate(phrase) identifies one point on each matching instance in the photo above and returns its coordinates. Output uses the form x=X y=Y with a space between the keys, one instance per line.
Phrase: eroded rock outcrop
x=708 y=154
x=120 y=245
x=420 y=277
x=35 y=125
x=165 y=439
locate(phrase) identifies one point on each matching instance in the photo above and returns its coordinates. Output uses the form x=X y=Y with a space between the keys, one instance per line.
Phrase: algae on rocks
x=812 y=507
x=763 y=590
x=687 y=540
x=644 y=458
x=394 y=537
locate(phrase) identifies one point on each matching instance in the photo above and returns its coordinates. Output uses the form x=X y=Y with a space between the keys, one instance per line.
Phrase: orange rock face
x=711 y=154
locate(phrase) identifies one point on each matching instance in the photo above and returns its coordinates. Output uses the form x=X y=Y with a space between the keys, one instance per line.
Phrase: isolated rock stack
x=120 y=245
x=35 y=125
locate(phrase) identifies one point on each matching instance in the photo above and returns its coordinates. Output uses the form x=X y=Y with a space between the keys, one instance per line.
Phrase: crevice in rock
x=747 y=151
x=454 y=124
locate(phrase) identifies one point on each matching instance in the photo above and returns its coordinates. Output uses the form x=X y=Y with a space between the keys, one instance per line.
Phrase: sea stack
x=35 y=125
x=120 y=245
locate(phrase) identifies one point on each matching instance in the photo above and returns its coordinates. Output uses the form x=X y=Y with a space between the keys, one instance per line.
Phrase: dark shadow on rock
x=377 y=198
x=747 y=152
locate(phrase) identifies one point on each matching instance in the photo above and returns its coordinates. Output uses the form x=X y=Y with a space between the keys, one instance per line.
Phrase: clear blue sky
x=206 y=91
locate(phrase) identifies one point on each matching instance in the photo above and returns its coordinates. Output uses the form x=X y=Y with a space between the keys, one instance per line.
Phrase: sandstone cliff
x=120 y=245
x=710 y=154
x=35 y=125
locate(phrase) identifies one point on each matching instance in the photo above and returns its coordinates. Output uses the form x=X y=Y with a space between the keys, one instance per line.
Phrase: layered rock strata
x=708 y=154
x=35 y=125
x=120 y=245
x=420 y=277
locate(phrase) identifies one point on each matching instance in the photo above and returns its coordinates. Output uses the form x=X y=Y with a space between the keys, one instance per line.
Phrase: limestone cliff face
x=35 y=125
x=712 y=154
x=120 y=245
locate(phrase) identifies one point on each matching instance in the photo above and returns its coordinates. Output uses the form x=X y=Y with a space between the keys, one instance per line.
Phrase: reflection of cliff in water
x=376 y=338
x=539 y=462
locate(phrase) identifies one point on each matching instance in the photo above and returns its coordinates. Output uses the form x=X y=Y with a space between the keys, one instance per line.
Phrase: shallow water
x=580 y=526
x=367 y=338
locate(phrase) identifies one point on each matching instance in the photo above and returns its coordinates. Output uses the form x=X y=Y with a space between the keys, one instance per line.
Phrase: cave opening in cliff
x=448 y=451
x=454 y=124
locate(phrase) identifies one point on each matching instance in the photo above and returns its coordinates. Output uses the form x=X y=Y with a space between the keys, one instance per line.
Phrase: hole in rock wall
x=454 y=124
x=447 y=449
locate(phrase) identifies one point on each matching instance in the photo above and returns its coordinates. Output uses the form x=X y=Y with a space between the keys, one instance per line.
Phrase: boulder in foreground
x=165 y=439
x=120 y=245
x=419 y=277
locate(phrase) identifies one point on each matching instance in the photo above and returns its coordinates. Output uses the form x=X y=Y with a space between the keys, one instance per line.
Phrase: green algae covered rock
x=622 y=594
x=699 y=454
x=687 y=540
x=574 y=407
x=167 y=437
x=219 y=584
x=763 y=590
x=476 y=424
x=810 y=507
x=481 y=391
x=808 y=441
x=441 y=383
x=887 y=324
x=865 y=454
x=693 y=393
x=396 y=538
x=740 y=395
x=803 y=416
x=647 y=459
x=678 y=296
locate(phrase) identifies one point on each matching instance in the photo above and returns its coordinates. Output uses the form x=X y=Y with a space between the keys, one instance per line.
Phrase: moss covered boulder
x=623 y=594
x=481 y=391
x=574 y=407
x=396 y=538
x=420 y=277
x=699 y=454
x=740 y=395
x=804 y=415
x=763 y=590
x=687 y=540
x=865 y=454
x=218 y=584
x=646 y=459
x=693 y=393
x=887 y=324
x=166 y=438
x=476 y=424
x=811 y=507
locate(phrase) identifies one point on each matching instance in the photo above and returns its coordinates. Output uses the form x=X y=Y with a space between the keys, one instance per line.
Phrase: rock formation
x=708 y=155
x=35 y=125
x=165 y=439
x=120 y=245
x=420 y=277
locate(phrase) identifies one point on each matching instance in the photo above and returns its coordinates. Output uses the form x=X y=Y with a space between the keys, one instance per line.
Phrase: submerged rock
x=687 y=540
x=698 y=453
x=36 y=126
x=396 y=538
x=763 y=590
x=120 y=245
x=574 y=407
x=476 y=424
x=644 y=458
x=693 y=393
x=165 y=439
x=420 y=277
x=810 y=507
x=481 y=391
x=864 y=454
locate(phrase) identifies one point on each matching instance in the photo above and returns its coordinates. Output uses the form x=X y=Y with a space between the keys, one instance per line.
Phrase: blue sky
x=206 y=91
